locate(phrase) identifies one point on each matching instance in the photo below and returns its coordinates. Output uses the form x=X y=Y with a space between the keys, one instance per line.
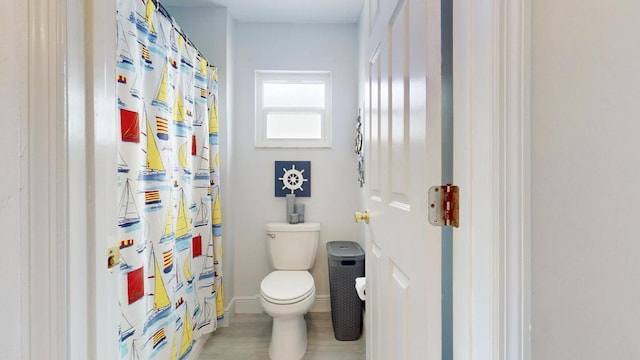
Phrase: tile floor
x=247 y=338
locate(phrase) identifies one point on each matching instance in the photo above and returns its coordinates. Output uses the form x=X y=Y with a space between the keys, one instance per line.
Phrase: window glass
x=293 y=109
x=293 y=95
x=283 y=125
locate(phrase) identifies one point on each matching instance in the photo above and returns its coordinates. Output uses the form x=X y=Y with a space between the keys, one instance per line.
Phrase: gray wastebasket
x=346 y=263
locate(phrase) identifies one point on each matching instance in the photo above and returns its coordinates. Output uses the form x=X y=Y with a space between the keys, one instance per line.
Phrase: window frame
x=261 y=111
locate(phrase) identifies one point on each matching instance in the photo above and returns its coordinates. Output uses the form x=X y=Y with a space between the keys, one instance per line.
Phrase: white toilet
x=288 y=292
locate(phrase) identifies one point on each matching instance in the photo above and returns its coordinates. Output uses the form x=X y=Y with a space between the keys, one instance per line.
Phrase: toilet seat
x=287 y=287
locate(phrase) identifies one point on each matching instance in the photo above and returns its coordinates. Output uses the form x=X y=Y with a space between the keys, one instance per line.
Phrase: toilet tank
x=292 y=246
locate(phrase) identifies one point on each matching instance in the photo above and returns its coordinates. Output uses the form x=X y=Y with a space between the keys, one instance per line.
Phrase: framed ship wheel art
x=359 y=141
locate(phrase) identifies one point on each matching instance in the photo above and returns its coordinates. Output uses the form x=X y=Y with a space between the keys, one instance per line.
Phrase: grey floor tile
x=247 y=338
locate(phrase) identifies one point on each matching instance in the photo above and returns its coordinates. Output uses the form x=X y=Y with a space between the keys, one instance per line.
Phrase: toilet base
x=288 y=338
x=289 y=329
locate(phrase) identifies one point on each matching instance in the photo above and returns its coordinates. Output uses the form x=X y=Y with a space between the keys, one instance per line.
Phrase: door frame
x=491 y=165
x=492 y=276
x=67 y=210
x=43 y=231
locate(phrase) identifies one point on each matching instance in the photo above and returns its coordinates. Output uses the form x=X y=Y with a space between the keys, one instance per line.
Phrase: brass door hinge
x=443 y=205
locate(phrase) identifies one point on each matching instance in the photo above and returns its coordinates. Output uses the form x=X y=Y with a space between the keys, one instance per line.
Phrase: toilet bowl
x=288 y=292
x=287 y=296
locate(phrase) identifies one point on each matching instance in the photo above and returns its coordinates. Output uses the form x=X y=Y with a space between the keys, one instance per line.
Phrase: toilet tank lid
x=306 y=226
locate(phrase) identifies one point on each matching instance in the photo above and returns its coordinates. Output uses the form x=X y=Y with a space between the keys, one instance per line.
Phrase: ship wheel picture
x=293 y=179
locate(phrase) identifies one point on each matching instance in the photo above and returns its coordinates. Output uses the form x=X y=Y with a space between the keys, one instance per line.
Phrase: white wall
x=363 y=32
x=13 y=95
x=334 y=194
x=227 y=145
x=585 y=177
x=211 y=29
x=240 y=49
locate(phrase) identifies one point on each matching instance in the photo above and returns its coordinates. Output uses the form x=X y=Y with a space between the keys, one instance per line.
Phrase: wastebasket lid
x=345 y=249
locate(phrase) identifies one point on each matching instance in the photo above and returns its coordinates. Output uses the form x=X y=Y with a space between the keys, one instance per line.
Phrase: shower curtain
x=169 y=220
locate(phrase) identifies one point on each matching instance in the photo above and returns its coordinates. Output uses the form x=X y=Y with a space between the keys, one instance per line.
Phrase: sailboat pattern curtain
x=169 y=220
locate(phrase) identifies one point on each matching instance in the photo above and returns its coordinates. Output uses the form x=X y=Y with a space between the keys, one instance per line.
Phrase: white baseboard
x=229 y=311
x=322 y=304
x=248 y=305
x=251 y=304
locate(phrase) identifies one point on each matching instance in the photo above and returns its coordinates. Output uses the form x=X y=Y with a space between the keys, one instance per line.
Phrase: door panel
x=399 y=120
x=402 y=125
x=399 y=291
x=374 y=148
x=374 y=312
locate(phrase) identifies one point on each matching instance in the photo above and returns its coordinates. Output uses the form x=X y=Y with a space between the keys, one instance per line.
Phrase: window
x=293 y=109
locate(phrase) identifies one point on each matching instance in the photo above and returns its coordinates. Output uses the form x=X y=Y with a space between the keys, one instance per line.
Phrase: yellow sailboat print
x=144 y=20
x=181 y=44
x=187 y=271
x=187 y=335
x=213 y=118
x=183 y=224
x=168 y=234
x=213 y=122
x=212 y=102
x=154 y=169
x=179 y=115
x=161 y=99
x=201 y=69
x=213 y=166
x=182 y=126
x=216 y=214
x=183 y=158
x=159 y=303
x=220 y=302
x=151 y=8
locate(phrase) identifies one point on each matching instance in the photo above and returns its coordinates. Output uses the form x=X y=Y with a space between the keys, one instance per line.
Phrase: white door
x=403 y=158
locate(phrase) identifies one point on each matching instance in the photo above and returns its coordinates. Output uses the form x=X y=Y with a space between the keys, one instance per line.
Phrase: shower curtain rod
x=174 y=23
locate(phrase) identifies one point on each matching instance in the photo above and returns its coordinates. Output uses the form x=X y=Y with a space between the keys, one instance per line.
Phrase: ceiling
x=283 y=11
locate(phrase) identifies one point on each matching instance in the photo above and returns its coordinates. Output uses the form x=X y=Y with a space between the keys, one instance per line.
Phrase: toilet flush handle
x=358 y=216
x=271 y=235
